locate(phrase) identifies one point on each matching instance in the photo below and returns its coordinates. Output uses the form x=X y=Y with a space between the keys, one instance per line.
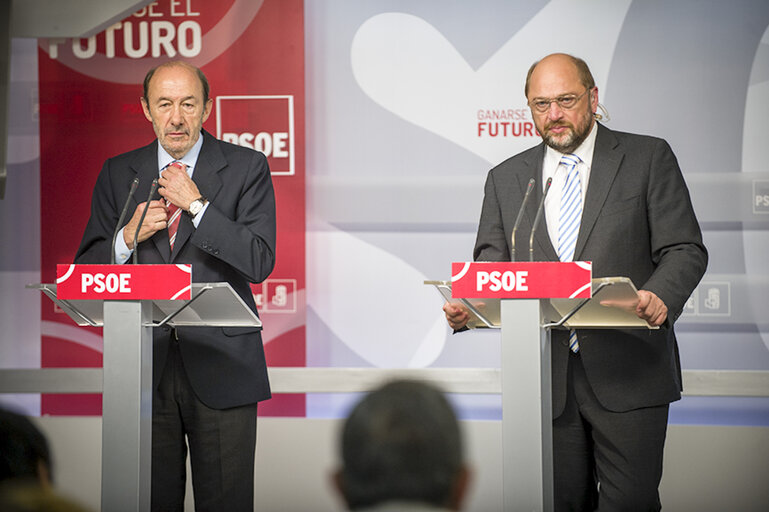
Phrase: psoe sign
x=263 y=123
x=271 y=144
x=106 y=283
x=507 y=280
x=123 y=282
x=521 y=280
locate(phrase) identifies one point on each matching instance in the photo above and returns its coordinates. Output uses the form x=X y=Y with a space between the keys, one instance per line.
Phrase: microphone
x=134 y=186
x=141 y=220
x=604 y=116
x=538 y=218
x=520 y=216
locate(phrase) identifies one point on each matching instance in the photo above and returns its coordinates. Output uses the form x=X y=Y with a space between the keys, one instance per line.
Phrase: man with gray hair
x=216 y=212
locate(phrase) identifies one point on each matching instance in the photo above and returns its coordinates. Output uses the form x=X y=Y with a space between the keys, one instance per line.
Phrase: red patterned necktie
x=174 y=212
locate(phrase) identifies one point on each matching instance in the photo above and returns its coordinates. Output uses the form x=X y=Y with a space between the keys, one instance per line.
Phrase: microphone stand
x=538 y=218
x=134 y=186
x=529 y=188
x=141 y=220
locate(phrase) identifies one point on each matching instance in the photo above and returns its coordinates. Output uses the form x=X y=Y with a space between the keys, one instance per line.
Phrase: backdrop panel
x=253 y=55
x=411 y=103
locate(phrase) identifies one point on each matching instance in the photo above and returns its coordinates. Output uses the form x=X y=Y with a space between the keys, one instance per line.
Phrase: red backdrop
x=253 y=55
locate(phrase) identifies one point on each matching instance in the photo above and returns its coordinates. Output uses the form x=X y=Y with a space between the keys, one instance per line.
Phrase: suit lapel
x=206 y=176
x=146 y=168
x=541 y=236
x=606 y=162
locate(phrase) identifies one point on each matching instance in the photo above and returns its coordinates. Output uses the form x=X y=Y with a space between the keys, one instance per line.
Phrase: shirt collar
x=190 y=159
x=584 y=151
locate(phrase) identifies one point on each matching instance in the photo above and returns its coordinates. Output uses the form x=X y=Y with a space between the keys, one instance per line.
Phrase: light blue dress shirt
x=122 y=252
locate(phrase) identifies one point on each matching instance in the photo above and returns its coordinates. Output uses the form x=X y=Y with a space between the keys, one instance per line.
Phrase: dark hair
x=401 y=442
x=583 y=71
x=201 y=77
x=22 y=448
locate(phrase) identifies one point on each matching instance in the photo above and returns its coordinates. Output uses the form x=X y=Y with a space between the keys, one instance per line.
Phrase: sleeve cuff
x=122 y=252
x=199 y=216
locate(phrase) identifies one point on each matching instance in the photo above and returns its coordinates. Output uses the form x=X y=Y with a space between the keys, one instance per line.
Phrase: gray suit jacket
x=234 y=242
x=637 y=222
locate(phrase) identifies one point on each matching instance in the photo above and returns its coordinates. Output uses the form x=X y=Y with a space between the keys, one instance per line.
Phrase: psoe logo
x=761 y=196
x=263 y=123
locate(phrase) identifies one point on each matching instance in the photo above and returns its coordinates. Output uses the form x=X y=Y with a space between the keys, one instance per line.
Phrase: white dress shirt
x=552 y=169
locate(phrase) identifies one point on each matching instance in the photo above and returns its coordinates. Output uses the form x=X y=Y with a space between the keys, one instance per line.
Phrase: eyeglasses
x=565 y=102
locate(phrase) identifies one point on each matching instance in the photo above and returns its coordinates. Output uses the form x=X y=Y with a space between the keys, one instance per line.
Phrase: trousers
x=605 y=460
x=221 y=444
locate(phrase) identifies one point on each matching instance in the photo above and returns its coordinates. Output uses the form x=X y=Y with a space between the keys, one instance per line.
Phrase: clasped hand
x=176 y=187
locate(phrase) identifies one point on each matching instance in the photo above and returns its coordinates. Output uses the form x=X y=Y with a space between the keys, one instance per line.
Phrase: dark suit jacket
x=637 y=222
x=234 y=242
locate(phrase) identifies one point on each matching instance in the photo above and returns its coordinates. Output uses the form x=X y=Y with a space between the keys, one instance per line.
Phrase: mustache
x=556 y=124
x=169 y=132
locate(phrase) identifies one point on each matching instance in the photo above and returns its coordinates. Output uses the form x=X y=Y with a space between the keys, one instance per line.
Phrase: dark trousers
x=604 y=460
x=221 y=446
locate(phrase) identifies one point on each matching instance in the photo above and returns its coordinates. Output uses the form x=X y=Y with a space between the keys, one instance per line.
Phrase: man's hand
x=154 y=221
x=177 y=187
x=456 y=314
x=651 y=308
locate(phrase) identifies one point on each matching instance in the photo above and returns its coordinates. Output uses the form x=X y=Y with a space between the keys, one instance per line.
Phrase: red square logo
x=277 y=296
x=263 y=123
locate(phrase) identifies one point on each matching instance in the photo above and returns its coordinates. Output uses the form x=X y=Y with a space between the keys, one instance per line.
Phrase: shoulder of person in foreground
x=24 y=452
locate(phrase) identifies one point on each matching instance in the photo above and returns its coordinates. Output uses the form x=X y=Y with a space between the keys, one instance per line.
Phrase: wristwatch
x=196 y=206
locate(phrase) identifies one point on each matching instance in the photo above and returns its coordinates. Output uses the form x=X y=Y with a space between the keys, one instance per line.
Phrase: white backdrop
x=397 y=160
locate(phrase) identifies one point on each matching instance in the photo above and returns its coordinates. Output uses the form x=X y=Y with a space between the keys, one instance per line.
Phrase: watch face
x=195 y=207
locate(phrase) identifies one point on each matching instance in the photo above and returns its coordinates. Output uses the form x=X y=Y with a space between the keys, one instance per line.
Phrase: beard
x=570 y=140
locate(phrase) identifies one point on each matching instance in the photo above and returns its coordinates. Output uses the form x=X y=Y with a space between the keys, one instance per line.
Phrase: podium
x=525 y=330
x=127 y=391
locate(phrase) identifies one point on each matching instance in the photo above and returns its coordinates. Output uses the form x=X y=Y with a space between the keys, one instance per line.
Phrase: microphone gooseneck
x=529 y=188
x=538 y=218
x=141 y=220
x=134 y=186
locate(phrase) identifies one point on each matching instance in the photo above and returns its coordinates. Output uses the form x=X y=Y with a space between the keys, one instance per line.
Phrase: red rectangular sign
x=123 y=282
x=521 y=280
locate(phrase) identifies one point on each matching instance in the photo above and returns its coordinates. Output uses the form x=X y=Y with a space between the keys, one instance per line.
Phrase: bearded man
x=620 y=201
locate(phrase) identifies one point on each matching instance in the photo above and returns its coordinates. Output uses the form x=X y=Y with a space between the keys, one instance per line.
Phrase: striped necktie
x=571 y=209
x=569 y=220
x=174 y=212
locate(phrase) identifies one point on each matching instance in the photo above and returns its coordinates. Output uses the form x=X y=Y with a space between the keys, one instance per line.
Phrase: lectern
x=525 y=301
x=128 y=301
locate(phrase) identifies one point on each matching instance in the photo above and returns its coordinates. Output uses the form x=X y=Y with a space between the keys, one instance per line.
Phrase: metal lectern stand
x=127 y=391
x=527 y=422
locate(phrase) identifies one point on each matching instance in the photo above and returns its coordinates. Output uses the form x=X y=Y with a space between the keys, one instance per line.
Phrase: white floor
x=706 y=468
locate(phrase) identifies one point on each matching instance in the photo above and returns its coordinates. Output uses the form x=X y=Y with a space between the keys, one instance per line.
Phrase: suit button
x=216 y=252
x=565 y=343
